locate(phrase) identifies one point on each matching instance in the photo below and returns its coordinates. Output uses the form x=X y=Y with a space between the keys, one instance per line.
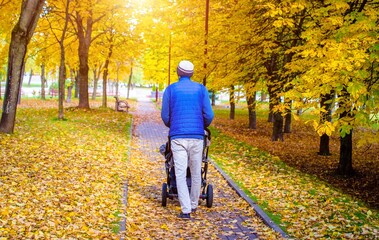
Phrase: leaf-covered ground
x=300 y=148
x=63 y=179
x=306 y=206
x=147 y=219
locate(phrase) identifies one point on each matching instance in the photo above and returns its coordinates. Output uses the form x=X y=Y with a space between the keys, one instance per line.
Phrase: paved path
x=151 y=133
x=230 y=218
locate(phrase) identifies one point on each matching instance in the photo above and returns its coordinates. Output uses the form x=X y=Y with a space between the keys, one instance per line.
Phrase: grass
x=300 y=148
x=225 y=165
x=303 y=205
x=34 y=85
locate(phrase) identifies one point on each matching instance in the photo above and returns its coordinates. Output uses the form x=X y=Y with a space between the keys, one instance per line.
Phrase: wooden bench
x=121 y=106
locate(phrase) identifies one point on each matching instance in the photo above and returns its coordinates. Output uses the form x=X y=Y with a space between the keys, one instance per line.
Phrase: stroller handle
x=208 y=134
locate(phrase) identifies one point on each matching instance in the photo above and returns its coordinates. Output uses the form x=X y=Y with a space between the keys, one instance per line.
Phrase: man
x=187 y=111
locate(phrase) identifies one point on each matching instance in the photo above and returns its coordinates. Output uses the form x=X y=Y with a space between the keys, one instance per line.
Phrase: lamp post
x=169 y=62
x=206 y=41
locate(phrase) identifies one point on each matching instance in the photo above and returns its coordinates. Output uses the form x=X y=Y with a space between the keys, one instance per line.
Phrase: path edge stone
x=266 y=219
x=125 y=184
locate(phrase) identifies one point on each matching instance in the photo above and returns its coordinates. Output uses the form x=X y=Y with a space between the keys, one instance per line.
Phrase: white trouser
x=188 y=152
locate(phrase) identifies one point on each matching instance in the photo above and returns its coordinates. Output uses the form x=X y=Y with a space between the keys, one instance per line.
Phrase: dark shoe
x=193 y=210
x=184 y=216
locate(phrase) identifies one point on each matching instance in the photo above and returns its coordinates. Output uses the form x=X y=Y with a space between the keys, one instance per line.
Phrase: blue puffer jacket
x=186 y=109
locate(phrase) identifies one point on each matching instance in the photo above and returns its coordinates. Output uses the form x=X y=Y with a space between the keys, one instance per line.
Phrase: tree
x=55 y=28
x=84 y=33
x=44 y=50
x=84 y=18
x=232 y=102
x=43 y=82
x=21 y=35
x=340 y=57
x=96 y=70
x=286 y=20
x=251 y=95
x=106 y=68
x=130 y=78
x=62 y=64
x=238 y=29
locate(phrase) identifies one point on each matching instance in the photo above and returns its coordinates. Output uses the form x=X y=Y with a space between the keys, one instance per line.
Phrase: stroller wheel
x=209 y=195
x=164 y=194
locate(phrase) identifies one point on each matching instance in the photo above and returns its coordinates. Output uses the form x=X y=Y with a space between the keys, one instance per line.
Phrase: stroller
x=169 y=189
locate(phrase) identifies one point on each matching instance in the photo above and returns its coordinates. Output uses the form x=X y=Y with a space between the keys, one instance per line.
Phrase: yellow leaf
x=369 y=213
x=165 y=227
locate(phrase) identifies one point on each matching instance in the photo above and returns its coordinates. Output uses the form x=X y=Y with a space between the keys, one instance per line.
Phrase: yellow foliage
x=325 y=128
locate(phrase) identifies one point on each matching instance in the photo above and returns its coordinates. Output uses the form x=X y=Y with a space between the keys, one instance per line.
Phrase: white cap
x=185 y=68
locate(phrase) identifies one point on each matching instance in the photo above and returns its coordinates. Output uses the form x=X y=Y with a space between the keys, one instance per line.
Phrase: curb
x=266 y=219
x=125 y=202
x=125 y=187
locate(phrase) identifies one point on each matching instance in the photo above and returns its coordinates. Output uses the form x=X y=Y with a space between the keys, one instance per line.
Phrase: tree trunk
x=61 y=86
x=96 y=75
x=130 y=79
x=83 y=76
x=22 y=80
x=43 y=82
x=288 y=121
x=270 y=112
x=325 y=103
x=84 y=36
x=71 y=86
x=21 y=35
x=251 y=105
x=345 y=166
x=277 y=133
x=275 y=116
x=116 y=84
x=214 y=98
x=324 y=145
x=62 y=66
x=77 y=86
x=232 y=102
x=30 y=77
x=272 y=88
x=94 y=91
x=117 y=78
x=105 y=74
x=288 y=118
x=271 y=104
x=69 y=93
x=156 y=93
